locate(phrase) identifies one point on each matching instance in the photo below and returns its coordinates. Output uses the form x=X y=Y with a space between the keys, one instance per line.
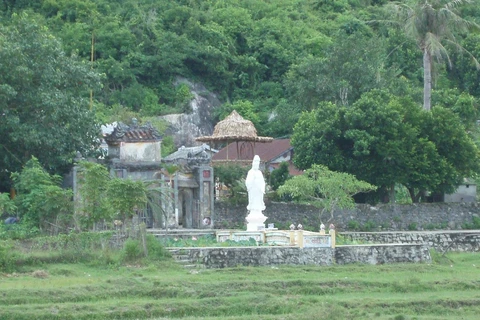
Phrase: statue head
x=256 y=162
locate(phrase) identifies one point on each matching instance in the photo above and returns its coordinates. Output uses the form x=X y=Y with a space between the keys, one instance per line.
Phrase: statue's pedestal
x=255 y=221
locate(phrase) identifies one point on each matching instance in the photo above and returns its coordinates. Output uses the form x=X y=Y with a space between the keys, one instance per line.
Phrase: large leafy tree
x=434 y=25
x=386 y=140
x=44 y=100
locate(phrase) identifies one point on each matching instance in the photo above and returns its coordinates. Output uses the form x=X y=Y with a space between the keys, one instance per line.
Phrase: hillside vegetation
x=281 y=56
x=356 y=65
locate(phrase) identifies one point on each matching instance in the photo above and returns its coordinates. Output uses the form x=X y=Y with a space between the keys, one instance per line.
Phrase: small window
x=206 y=173
x=120 y=173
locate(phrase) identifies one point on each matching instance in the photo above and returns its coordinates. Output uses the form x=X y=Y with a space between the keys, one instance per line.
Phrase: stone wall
x=274 y=256
x=381 y=254
x=442 y=241
x=425 y=216
x=260 y=256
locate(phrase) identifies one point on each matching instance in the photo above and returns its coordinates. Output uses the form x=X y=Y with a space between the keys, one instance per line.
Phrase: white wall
x=464 y=193
x=140 y=151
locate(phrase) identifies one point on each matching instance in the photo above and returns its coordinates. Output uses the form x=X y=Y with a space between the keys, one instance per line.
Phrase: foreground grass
x=446 y=290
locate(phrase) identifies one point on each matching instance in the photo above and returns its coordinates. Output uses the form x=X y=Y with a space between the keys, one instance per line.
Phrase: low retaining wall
x=381 y=254
x=259 y=256
x=272 y=256
x=442 y=241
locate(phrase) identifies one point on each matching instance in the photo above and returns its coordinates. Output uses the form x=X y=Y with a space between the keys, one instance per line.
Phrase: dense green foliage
x=272 y=60
x=231 y=175
x=7 y=206
x=41 y=201
x=102 y=198
x=126 y=196
x=433 y=25
x=244 y=50
x=92 y=200
x=42 y=204
x=43 y=99
x=279 y=175
x=384 y=140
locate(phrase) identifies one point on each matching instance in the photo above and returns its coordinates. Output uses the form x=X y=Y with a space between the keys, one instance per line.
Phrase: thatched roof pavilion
x=235 y=128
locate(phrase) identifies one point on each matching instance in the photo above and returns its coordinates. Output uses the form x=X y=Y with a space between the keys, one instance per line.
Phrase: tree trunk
x=391 y=193
x=427 y=80
x=411 y=191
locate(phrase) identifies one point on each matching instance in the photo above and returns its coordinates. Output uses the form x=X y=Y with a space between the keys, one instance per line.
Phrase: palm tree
x=433 y=24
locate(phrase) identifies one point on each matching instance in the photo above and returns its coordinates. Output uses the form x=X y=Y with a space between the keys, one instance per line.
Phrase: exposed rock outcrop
x=186 y=127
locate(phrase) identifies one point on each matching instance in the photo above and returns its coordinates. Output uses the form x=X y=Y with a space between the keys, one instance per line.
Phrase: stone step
x=184 y=259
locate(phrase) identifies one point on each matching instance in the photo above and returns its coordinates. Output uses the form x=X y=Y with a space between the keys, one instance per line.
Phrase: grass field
x=446 y=289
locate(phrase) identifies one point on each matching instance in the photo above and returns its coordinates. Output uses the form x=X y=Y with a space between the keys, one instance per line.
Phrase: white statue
x=255 y=186
x=256 y=189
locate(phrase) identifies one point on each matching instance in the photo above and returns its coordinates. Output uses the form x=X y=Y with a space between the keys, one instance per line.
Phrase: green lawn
x=446 y=290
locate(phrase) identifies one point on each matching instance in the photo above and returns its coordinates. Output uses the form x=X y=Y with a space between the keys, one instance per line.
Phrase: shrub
x=18 y=231
x=430 y=226
x=155 y=248
x=132 y=251
x=40 y=199
x=229 y=175
x=93 y=205
x=353 y=225
x=7 y=205
x=8 y=257
x=369 y=226
x=474 y=225
x=439 y=258
x=279 y=176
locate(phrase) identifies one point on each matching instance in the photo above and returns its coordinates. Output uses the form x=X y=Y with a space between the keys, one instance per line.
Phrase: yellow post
x=300 y=238
x=292 y=237
x=332 y=237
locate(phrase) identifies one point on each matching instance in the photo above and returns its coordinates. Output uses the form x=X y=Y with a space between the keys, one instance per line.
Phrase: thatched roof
x=234 y=127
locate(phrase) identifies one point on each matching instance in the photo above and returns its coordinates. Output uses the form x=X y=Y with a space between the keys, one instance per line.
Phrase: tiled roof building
x=271 y=154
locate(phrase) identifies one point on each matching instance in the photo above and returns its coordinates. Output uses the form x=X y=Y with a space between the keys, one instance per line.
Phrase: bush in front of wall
x=412 y=226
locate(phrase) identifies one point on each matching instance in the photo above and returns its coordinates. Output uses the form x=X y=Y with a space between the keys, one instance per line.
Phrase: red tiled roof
x=246 y=150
